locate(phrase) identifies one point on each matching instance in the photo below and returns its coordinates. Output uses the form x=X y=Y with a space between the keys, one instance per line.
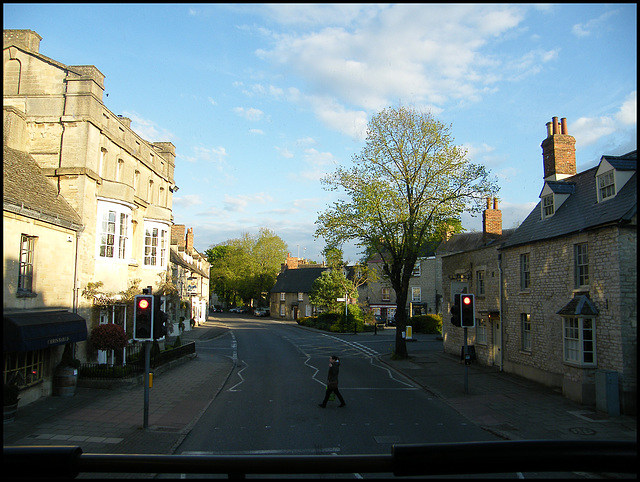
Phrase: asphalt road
x=270 y=402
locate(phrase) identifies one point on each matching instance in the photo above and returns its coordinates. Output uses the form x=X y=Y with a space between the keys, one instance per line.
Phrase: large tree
x=405 y=183
x=247 y=266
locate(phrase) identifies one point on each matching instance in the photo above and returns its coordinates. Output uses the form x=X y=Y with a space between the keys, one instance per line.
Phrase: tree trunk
x=401 y=324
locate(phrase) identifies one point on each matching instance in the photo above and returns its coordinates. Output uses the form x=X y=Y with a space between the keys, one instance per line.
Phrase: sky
x=262 y=100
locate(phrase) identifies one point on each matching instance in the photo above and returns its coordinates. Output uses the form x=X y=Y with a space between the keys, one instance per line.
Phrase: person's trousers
x=328 y=394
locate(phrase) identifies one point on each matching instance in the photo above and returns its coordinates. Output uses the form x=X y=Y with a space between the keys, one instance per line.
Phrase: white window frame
x=581 y=264
x=283 y=296
x=385 y=294
x=607 y=185
x=120 y=242
x=155 y=254
x=548 y=208
x=414 y=298
x=300 y=296
x=26 y=269
x=481 y=331
x=579 y=341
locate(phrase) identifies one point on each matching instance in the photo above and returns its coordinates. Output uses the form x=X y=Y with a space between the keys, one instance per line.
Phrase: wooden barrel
x=9 y=413
x=65 y=381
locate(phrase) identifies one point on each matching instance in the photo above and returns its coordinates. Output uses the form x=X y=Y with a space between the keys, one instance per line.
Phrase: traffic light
x=467 y=311
x=143 y=317
x=160 y=324
x=455 y=310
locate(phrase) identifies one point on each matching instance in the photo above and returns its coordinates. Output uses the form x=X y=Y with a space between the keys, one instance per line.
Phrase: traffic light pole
x=147 y=369
x=466 y=364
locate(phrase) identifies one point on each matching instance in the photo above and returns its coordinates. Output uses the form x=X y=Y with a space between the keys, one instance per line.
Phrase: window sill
x=26 y=294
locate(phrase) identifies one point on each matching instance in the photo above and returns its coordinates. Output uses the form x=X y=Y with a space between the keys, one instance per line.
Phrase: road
x=270 y=402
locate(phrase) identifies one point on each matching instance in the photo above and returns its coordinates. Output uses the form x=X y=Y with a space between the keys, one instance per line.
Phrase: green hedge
x=428 y=324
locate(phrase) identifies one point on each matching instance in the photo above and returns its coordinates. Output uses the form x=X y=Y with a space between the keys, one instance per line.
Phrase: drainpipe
x=501 y=364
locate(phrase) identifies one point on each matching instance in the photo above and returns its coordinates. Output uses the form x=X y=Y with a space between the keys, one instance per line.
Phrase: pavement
x=111 y=420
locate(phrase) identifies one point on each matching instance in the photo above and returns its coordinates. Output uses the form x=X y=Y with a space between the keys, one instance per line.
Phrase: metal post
x=466 y=363
x=147 y=369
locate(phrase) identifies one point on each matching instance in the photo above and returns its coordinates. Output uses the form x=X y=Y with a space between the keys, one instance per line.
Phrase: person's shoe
x=342 y=405
x=322 y=406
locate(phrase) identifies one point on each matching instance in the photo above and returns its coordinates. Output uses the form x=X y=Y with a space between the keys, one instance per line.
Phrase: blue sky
x=262 y=100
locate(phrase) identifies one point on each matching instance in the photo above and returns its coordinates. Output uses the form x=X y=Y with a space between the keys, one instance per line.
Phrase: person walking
x=332 y=382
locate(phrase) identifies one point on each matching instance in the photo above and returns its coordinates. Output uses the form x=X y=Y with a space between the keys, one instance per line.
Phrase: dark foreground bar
x=405 y=460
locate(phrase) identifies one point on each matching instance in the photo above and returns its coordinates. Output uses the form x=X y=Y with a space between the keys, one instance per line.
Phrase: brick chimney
x=290 y=263
x=558 y=151
x=491 y=220
x=189 y=242
x=178 y=236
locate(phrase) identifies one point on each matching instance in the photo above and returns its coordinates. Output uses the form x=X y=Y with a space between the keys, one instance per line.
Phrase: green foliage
x=242 y=269
x=177 y=343
x=429 y=324
x=405 y=183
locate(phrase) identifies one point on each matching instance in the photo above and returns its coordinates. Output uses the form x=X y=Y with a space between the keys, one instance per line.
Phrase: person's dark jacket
x=332 y=377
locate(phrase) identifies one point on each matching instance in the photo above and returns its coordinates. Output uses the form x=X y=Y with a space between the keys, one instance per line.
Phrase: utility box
x=607 y=392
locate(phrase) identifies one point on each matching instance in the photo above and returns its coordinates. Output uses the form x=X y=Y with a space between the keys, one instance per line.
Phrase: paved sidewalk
x=507 y=405
x=110 y=421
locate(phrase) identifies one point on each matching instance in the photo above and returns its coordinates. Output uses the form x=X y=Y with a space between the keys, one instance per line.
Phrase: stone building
x=570 y=278
x=289 y=297
x=119 y=185
x=425 y=290
x=190 y=273
x=39 y=243
x=470 y=264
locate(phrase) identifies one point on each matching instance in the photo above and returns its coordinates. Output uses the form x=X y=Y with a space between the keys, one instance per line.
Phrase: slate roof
x=297 y=280
x=581 y=211
x=27 y=191
x=464 y=242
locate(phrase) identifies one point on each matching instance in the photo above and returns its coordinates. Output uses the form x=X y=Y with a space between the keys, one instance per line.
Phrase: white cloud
x=240 y=202
x=284 y=152
x=628 y=113
x=319 y=163
x=187 y=200
x=595 y=24
x=215 y=155
x=148 y=129
x=426 y=54
x=250 y=113
x=589 y=130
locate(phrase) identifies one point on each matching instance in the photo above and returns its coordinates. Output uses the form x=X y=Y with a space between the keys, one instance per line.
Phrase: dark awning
x=35 y=330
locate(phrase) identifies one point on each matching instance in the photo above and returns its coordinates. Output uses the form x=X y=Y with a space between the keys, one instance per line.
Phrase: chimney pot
x=555 y=125
x=563 y=125
x=495 y=203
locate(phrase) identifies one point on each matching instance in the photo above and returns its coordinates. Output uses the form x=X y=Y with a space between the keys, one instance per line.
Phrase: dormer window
x=613 y=174
x=553 y=196
x=547 y=206
x=606 y=185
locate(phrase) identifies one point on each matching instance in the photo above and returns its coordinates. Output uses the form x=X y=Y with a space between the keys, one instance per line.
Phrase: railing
x=405 y=460
x=135 y=362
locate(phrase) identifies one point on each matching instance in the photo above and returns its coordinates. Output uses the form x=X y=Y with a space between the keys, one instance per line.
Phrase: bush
x=429 y=324
x=108 y=337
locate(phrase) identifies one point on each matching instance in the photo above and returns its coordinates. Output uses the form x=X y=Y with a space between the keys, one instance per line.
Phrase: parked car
x=262 y=312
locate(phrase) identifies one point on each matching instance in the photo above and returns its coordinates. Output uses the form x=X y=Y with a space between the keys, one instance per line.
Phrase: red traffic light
x=466 y=300
x=143 y=303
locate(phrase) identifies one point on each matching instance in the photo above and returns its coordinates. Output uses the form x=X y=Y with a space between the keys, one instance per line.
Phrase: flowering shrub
x=108 y=337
